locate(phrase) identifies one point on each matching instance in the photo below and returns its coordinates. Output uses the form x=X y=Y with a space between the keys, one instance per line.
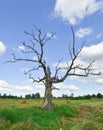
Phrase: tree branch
x=20 y=59
x=37 y=80
x=37 y=48
x=71 y=68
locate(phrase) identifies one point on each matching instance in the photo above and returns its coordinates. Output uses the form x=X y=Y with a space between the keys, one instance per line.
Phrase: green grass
x=71 y=115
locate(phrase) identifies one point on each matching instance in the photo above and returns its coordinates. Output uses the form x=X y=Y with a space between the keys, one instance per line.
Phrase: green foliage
x=99 y=95
x=28 y=96
x=64 y=96
x=32 y=96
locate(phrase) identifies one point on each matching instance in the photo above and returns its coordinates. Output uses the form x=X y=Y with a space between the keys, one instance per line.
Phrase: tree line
x=64 y=96
x=88 y=96
x=28 y=96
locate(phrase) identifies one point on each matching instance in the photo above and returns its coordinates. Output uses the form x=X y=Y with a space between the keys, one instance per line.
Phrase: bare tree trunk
x=47 y=104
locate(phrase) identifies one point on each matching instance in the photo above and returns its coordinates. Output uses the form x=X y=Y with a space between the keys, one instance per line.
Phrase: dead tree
x=39 y=62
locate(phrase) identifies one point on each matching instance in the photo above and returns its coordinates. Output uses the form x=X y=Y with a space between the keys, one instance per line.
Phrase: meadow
x=15 y=114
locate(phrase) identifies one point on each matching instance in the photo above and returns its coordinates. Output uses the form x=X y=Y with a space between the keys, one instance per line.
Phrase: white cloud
x=74 y=11
x=99 y=35
x=2 y=48
x=4 y=86
x=28 y=88
x=3 y=83
x=35 y=58
x=94 y=52
x=83 y=32
x=28 y=81
x=5 y=89
x=21 y=47
x=67 y=87
x=99 y=80
x=100 y=88
x=24 y=88
x=50 y=34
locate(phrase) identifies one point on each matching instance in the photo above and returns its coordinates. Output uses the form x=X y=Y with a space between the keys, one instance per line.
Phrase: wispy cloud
x=82 y=32
x=99 y=35
x=4 y=86
x=2 y=48
x=100 y=88
x=28 y=88
x=99 y=80
x=24 y=88
x=21 y=47
x=50 y=34
x=67 y=87
x=94 y=52
x=74 y=11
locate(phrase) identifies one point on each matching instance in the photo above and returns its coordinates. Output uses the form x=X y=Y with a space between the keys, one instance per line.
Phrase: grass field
x=67 y=115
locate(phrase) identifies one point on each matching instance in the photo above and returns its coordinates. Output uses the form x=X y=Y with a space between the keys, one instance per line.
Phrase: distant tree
x=28 y=96
x=71 y=95
x=48 y=78
x=99 y=95
x=33 y=96
x=64 y=96
x=21 y=97
x=4 y=95
x=87 y=96
x=37 y=95
x=93 y=95
x=9 y=96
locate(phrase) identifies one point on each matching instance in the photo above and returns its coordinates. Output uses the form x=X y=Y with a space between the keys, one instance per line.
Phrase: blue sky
x=51 y=16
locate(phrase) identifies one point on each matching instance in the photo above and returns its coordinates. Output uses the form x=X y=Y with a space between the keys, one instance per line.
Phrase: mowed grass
x=67 y=115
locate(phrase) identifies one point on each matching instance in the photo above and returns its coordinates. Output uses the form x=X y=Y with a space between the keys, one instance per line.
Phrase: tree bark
x=47 y=104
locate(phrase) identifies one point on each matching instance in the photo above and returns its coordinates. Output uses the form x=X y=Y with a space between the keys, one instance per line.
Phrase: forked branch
x=71 y=69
